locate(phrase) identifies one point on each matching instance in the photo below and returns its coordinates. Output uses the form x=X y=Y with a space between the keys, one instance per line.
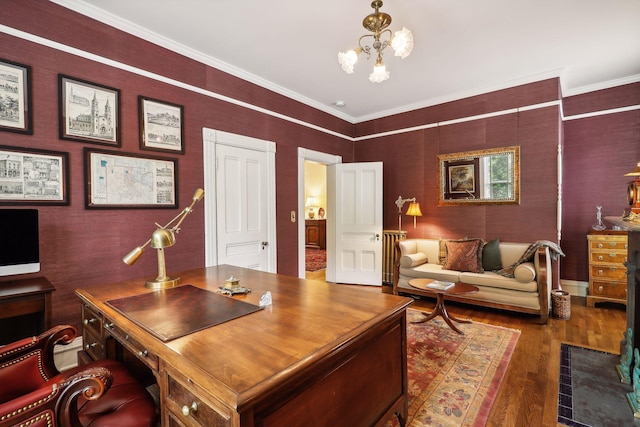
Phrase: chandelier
x=401 y=42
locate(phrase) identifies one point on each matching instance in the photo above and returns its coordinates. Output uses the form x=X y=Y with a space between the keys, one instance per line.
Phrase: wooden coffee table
x=440 y=309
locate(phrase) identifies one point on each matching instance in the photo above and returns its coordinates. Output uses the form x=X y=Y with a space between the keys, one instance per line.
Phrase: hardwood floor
x=528 y=396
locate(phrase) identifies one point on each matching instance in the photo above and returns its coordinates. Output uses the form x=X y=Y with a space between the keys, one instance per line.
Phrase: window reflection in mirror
x=480 y=177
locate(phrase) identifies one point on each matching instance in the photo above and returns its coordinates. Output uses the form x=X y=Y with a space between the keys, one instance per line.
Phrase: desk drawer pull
x=90 y=321
x=90 y=346
x=143 y=353
x=186 y=410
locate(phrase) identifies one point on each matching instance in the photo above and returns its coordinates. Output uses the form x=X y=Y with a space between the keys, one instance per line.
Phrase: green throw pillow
x=491 y=256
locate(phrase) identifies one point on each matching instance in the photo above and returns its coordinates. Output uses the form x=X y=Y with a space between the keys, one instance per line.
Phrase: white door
x=241 y=200
x=354 y=238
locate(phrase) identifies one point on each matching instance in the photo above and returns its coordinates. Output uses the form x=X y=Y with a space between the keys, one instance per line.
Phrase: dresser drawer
x=620 y=245
x=608 y=257
x=617 y=290
x=609 y=272
x=148 y=358
x=186 y=406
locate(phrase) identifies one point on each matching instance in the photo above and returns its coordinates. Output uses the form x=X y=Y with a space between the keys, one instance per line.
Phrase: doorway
x=317 y=162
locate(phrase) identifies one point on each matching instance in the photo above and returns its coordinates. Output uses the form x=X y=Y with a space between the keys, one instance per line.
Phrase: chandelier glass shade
x=377 y=23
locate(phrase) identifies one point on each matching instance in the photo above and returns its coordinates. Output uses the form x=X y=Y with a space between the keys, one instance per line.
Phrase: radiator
x=389 y=239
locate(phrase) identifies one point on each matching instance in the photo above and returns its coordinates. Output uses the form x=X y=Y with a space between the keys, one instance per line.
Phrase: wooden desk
x=25 y=308
x=321 y=355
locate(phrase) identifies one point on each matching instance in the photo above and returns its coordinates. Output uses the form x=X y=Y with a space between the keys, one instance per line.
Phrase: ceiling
x=462 y=47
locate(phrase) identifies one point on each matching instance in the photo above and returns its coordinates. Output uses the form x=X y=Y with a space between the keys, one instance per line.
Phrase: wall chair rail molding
x=489 y=176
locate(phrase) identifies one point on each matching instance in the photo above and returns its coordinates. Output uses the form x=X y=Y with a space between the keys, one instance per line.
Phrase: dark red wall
x=598 y=151
x=81 y=247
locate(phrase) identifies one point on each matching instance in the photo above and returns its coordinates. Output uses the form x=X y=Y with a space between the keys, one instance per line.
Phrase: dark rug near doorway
x=590 y=392
x=315 y=259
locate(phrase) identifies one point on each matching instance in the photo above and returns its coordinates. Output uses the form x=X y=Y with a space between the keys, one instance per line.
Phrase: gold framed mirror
x=489 y=176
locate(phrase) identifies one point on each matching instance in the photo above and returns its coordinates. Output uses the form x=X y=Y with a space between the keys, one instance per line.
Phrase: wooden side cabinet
x=607 y=272
x=315 y=232
x=25 y=308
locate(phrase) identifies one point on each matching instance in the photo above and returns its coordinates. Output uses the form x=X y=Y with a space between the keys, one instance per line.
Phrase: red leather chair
x=98 y=394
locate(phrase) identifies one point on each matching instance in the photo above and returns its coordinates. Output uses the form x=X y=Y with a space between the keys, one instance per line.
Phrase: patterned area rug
x=315 y=259
x=453 y=378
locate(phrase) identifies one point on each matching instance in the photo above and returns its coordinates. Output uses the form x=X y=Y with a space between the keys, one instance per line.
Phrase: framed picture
x=15 y=97
x=89 y=112
x=33 y=177
x=126 y=180
x=462 y=179
x=161 y=126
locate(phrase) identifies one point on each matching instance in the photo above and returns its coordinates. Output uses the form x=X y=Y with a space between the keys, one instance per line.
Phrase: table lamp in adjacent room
x=164 y=237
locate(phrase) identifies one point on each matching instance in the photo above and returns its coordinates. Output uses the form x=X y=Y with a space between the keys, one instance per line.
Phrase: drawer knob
x=90 y=346
x=600 y=257
x=186 y=410
x=108 y=325
x=143 y=353
x=90 y=321
x=600 y=288
x=612 y=255
x=599 y=245
x=600 y=272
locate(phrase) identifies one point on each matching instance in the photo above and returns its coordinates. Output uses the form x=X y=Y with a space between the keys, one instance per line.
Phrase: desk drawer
x=93 y=345
x=92 y=321
x=148 y=358
x=620 y=245
x=186 y=406
x=614 y=273
x=617 y=290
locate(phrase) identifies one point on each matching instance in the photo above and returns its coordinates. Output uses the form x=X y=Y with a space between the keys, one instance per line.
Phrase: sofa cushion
x=491 y=256
x=430 y=271
x=411 y=260
x=490 y=279
x=525 y=272
x=464 y=255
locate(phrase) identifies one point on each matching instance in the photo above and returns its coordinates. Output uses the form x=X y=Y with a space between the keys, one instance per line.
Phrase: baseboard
x=575 y=287
x=66 y=356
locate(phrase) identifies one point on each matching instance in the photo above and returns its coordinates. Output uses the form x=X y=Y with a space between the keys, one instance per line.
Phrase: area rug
x=590 y=392
x=453 y=378
x=315 y=259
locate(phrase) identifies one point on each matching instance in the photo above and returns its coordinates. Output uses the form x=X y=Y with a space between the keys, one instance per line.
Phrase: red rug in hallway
x=315 y=259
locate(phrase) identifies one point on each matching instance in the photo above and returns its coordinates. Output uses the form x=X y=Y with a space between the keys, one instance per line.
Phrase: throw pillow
x=411 y=260
x=464 y=255
x=442 y=253
x=491 y=256
x=525 y=272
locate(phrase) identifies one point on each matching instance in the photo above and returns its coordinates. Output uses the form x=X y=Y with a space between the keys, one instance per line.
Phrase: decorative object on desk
x=589 y=392
x=444 y=388
x=414 y=207
x=164 y=237
x=599 y=225
x=633 y=188
x=624 y=368
x=232 y=282
x=312 y=202
x=266 y=299
x=377 y=23
x=235 y=290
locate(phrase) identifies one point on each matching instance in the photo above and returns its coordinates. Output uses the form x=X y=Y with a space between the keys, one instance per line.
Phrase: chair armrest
x=57 y=398
x=44 y=343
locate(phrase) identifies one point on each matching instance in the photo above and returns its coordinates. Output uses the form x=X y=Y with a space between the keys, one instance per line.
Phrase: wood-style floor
x=528 y=395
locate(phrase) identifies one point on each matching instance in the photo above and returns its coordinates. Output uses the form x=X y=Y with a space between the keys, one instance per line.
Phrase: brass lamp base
x=162 y=284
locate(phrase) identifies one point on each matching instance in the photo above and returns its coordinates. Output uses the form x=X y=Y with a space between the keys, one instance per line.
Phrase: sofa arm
x=544 y=278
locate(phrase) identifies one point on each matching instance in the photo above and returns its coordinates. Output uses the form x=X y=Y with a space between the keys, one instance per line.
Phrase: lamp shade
x=635 y=172
x=414 y=209
x=312 y=202
x=162 y=238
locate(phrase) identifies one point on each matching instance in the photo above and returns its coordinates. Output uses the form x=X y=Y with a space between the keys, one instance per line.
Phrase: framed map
x=126 y=180
x=33 y=177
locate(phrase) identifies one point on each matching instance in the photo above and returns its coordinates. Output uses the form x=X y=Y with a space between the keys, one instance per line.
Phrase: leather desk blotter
x=175 y=312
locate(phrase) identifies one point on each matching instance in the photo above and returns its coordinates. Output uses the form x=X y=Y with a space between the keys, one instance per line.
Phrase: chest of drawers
x=607 y=272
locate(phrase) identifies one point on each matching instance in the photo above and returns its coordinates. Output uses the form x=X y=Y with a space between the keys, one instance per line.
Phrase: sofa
x=509 y=276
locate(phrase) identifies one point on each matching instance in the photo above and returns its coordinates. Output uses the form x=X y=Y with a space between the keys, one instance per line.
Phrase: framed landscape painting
x=161 y=126
x=15 y=97
x=89 y=112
